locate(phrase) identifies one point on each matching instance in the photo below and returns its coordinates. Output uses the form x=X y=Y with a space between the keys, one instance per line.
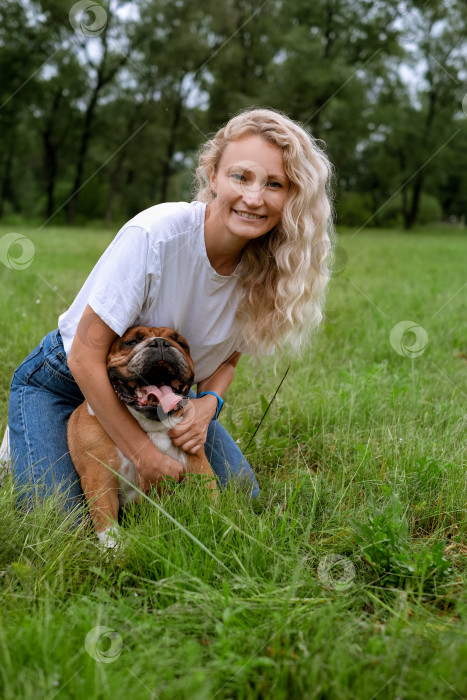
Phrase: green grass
x=361 y=456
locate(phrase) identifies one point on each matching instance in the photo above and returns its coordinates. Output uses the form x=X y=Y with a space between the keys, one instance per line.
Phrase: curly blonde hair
x=283 y=274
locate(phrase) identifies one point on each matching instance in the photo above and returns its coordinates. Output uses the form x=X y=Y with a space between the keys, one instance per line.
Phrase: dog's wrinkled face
x=151 y=370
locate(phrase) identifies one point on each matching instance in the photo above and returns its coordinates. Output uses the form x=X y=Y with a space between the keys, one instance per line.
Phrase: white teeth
x=248 y=216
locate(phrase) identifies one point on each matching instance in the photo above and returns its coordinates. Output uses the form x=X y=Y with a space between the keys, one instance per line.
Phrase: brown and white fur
x=151 y=371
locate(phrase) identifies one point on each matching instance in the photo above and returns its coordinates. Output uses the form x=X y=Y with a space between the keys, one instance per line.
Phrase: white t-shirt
x=156 y=272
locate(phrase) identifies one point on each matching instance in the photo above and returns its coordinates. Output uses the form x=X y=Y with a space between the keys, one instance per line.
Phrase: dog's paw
x=109 y=539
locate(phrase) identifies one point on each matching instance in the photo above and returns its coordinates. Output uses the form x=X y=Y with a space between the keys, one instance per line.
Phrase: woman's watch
x=220 y=402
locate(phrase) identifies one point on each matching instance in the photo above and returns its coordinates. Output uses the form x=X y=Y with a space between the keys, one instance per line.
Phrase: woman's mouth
x=247 y=215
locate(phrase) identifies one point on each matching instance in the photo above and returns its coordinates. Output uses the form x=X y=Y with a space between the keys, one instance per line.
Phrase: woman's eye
x=274 y=185
x=238 y=176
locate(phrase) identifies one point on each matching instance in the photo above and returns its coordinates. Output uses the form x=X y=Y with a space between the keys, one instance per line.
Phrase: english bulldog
x=151 y=371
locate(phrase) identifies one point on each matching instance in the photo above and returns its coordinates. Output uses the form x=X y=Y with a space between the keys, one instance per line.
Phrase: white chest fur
x=157 y=433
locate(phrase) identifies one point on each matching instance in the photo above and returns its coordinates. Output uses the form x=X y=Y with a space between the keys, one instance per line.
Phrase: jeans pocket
x=56 y=363
x=30 y=364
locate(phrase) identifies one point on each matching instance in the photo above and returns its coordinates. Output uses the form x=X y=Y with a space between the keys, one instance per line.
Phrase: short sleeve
x=120 y=286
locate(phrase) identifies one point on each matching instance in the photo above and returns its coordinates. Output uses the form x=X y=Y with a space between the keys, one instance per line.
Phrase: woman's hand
x=152 y=465
x=191 y=433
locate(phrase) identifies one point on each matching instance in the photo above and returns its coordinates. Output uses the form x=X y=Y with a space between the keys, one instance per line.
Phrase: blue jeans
x=43 y=395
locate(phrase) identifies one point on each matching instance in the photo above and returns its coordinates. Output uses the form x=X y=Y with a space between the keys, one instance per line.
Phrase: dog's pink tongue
x=167 y=399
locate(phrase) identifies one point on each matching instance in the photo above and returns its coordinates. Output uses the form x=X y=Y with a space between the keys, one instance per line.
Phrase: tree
x=417 y=122
x=24 y=49
x=329 y=56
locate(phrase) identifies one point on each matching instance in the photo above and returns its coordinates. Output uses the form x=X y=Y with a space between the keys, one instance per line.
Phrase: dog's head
x=151 y=370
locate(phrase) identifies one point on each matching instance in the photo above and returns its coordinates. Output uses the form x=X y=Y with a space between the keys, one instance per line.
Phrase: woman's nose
x=253 y=194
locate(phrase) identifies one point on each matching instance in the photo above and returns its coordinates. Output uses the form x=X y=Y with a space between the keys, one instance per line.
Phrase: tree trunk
x=5 y=190
x=411 y=215
x=113 y=189
x=85 y=137
x=329 y=31
x=102 y=79
x=167 y=165
x=116 y=173
x=50 y=156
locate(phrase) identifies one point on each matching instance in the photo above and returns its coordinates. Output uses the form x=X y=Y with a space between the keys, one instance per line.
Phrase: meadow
x=345 y=579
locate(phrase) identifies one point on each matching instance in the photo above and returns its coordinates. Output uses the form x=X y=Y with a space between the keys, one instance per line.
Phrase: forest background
x=104 y=105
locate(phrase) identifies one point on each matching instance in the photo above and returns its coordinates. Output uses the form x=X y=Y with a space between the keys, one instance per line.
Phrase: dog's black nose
x=159 y=343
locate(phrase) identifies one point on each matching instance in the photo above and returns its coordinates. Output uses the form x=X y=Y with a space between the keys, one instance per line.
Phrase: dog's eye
x=131 y=343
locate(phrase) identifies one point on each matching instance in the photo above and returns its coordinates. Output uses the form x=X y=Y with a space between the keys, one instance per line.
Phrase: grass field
x=346 y=579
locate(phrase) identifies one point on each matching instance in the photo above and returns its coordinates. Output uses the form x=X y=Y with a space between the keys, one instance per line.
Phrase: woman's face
x=251 y=187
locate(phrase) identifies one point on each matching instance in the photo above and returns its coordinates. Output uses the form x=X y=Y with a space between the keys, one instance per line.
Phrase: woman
x=240 y=269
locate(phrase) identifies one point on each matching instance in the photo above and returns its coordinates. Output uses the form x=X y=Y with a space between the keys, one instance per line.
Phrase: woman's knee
x=227 y=460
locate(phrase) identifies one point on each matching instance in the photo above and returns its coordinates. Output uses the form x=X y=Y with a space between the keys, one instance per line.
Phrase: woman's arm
x=191 y=433
x=87 y=362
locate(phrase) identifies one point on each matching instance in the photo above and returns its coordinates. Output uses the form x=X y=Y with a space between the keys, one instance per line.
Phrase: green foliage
x=430 y=211
x=102 y=127
x=426 y=478
x=253 y=617
x=386 y=548
x=275 y=433
x=354 y=209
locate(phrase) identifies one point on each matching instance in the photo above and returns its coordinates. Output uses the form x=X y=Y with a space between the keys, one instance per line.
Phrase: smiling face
x=251 y=187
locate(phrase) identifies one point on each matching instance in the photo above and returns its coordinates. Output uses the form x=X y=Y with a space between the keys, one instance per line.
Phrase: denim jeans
x=42 y=397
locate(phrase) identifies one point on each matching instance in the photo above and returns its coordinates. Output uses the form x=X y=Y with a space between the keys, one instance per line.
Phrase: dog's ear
x=181 y=341
x=173 y=335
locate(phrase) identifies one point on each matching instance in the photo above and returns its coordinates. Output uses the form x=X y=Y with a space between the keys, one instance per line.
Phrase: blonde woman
x=241 y=269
